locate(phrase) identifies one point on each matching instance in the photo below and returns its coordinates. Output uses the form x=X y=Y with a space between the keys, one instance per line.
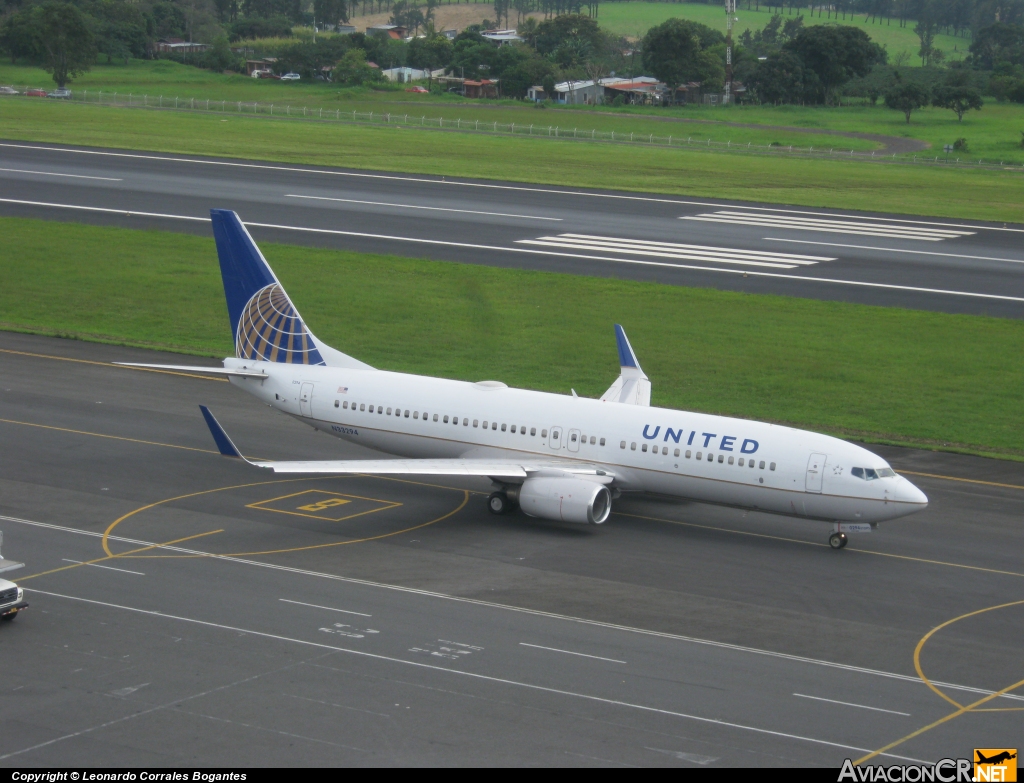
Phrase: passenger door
x=306 y=400
x=815 y=471
x=573 y=440
x=555 y=441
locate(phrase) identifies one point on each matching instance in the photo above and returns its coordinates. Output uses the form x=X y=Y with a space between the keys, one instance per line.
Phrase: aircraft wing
x=498 y=468
x=632 y=387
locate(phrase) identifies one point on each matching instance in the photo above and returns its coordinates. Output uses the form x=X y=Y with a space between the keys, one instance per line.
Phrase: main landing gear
x=498 y=503
x=836 y=540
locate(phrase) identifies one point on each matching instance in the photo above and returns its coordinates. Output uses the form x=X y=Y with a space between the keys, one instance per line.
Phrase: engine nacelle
x=566 y=499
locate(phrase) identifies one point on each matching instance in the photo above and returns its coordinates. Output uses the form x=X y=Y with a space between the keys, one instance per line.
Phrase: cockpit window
x=870 y=474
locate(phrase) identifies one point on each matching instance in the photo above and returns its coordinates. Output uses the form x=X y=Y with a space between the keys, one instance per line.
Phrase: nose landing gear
x=837 y=540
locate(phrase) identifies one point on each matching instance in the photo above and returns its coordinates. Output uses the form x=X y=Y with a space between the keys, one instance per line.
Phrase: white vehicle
x=12 y=600
x=290 y=77
x=557 y=457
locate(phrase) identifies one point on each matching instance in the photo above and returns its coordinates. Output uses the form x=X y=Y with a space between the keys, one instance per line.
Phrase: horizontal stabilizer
x=189 y=368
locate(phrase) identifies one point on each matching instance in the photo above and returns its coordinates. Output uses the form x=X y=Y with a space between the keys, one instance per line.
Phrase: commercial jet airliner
x=554 y=456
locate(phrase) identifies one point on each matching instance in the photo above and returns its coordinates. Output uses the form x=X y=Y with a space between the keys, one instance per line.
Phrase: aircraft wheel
x=498 y=503
x=837 y=540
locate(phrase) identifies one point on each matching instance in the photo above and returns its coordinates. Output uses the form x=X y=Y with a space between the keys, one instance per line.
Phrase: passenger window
x=730 y=460
x=632 y=446
x=345 y=405
x=721 y=459
x=380 y=410
x=533 y=431
x=476 y=422
x=415 y=414
x=445 y=419
x=494 y=425
x=762 y=465
x=406 y=415
x=593 y=440
x=688 y=454
x=336 y=403
x=644 y=447
x=503 y=427
x=602 y=441
x=622 y=444
x=677 y=453
x=543 y=433
x=711 y=457
x=370 y=409
x=514 y=430
x=699 y=456
x=362 y=407
x=522 y=429
x=751 y=463
x=455 y=419
x=465 y=422
x=772 y=466
x=389 y=411
x=741 y=462
x=435 y=417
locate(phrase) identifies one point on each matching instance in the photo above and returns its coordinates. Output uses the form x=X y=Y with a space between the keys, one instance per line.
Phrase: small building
x=345 y=29
x=536 y=93
x=501 y=37
x=266 y=64
x=178 y=46
x=639 y=91
x=579 y=93
x=404 y=74
x=484 y=88
x=394 y=31
x=450 y=34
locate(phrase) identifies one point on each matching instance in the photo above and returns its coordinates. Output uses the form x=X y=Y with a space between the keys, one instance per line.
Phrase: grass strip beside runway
x=902 y=376
x=847 y=184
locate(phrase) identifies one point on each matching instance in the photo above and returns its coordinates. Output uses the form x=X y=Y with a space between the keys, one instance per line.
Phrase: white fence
x=284 y=110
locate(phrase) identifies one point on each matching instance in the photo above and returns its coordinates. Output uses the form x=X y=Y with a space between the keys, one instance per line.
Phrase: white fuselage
x=715 y=459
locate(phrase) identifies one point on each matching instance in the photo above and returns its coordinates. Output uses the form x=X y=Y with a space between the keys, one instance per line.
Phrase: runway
x=189 y=610
x=884 y=259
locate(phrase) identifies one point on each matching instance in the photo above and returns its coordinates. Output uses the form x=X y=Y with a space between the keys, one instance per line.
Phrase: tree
x=528 y=31
x=779 y=79
x=959 y=100
x=67 y=43
x=330 y=12
x=430 y=52
x=998 y=43
x=836 y=54
x=906 y=97
x=676 y=51
x=552 y=33
x=548 y=83
x=20 y=35
x=353 y=70
x=121 y=30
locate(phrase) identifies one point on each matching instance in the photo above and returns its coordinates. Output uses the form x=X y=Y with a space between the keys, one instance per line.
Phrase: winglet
x=626 y=356
x=220 y=437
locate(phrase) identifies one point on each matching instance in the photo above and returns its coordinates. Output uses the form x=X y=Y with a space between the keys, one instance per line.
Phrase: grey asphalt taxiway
x=190 y=610
x=885 y=259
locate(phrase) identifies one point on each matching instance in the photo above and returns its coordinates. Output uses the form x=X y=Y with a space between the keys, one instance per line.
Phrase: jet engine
x=566 y=499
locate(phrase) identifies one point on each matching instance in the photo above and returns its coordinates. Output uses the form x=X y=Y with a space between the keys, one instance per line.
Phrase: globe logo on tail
x=270 y=330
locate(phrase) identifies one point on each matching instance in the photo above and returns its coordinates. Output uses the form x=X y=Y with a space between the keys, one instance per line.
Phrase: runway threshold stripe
x=486 y=185
x=807 y=221
x=420 y=206
x=896 y=250
x=521 y=610
x=470 y=675
x=767 y=223
x=444 y=243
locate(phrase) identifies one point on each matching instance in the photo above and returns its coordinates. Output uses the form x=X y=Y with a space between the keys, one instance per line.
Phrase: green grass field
x=913 y=380
x=633 y=19
x=985 y=195
x=992 y=134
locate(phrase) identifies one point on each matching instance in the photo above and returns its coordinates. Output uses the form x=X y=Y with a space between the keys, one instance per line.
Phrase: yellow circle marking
x=961 y=709
x=116 y=522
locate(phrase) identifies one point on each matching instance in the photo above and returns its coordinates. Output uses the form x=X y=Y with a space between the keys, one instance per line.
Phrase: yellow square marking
x=321 y=504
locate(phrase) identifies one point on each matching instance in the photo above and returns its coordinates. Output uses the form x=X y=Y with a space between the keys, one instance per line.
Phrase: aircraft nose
x=906 y=492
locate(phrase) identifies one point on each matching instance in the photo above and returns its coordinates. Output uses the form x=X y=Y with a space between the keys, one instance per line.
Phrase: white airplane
x=555 y=456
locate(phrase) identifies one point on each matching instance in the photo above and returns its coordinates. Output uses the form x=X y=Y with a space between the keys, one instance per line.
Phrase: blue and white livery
x=555 y=456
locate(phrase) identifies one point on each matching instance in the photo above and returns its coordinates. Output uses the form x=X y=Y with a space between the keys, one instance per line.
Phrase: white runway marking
x=518 y=609
x=569 y=652
x=642 y=247
x=831 y=226
x=445 y=243
x=850 y=704
x=108 y=568
x=487 y=185
x=328 y=608
x=55 y=174
x=896 y=250
x=472 y=675
x=417 y=206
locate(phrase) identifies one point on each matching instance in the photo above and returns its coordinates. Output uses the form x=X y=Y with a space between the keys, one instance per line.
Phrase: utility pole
x=730 y=17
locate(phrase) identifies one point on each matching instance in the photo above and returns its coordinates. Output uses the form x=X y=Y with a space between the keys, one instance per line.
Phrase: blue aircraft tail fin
x=220 y=437
x=264 y=322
